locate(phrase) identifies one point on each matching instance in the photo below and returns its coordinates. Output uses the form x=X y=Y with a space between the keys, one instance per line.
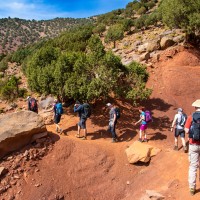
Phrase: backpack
x=86 y=111
x=59 y=109
x=194 y=131
x=117 y=111
x=183 y=120
x=33 y=104
x=148 y=117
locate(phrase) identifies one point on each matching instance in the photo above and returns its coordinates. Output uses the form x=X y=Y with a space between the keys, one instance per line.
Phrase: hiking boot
x=192 y=191
x=84 y=138
x=113 y=140
x=145 y=140
x=185 y=149
x=175 y=148
x=140 y=140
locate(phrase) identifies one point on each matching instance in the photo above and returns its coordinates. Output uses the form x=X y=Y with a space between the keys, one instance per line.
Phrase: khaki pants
x=194 y=159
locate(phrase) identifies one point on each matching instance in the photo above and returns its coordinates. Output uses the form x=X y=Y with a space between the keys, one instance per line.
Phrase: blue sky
x=49 y=9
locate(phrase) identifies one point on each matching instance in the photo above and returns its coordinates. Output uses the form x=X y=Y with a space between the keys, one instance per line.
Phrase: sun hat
x=196 y=103
x=108 y=104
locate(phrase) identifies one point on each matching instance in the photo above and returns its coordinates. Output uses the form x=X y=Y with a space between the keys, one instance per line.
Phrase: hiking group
x=191 y=126
x=181 y=126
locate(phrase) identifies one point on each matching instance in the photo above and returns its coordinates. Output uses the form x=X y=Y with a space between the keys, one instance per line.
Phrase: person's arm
x=173 y=123
x=142 y=117
x=77 y=108
x=188 y=124
x=28 y=105
x=114 y=118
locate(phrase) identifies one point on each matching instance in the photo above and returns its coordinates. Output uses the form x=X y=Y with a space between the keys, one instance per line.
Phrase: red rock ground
x=98 y=169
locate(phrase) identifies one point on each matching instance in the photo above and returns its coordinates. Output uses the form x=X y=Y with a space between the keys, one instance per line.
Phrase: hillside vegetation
x=15 y=32
x=76 y=64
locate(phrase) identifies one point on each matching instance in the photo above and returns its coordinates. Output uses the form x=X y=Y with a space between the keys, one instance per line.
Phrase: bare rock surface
x=17 y=129
x=140 y=152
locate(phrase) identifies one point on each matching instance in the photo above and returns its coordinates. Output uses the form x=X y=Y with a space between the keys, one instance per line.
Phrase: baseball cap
x=108 y=104
x=179 y=110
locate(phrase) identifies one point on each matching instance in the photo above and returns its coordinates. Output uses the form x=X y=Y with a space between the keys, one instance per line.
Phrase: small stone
x=3 y=171
x=128 y=182
x=37 y=185
x=16 y=177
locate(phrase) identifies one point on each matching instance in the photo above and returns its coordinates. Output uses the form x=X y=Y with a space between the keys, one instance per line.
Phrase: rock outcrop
x=140 y=152
x=17 y=130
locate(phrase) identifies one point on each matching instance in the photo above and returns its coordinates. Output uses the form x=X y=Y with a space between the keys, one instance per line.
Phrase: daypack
x=194 y=131
x=33 y=104
x=86 y=111
x=117 y=111
x=183 y=120
x=59 y=109
x=148 y=117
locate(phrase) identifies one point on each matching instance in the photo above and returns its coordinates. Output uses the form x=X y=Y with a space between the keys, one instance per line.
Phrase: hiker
x=143 y=125
x=84 y=112
x=192 y=127
x=58 y=111
x=112 y=121
x=178 y=123
x=32 y=104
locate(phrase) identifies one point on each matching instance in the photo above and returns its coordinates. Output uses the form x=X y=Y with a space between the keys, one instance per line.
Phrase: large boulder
x=140 y=152
x=142 y=48
x=17 y=130
x=166 y=42
x=153 y=45
x=145 y=56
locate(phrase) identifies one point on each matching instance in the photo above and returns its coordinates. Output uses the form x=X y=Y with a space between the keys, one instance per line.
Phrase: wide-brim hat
x=196 y=103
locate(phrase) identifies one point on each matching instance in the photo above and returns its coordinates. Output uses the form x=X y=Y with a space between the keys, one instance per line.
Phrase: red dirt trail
x=98 y=169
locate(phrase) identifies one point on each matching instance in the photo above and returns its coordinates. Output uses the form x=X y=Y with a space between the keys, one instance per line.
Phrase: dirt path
x=98 y=169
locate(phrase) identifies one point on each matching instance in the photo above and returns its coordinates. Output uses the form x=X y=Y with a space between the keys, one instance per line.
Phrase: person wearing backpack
x=32 y=104
x=84 y=112
x=114 y=115
x=58 y=111
x=178 y=123
x=143 y=125
x=192 y=127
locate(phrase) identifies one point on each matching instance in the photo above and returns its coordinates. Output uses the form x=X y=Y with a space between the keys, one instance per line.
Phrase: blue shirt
x=143 y=115
x=79 y=109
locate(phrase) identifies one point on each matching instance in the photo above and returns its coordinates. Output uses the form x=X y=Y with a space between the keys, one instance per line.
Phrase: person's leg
x=57 y=120
x=193 y=166
x=176 y=134
x=112 y=129
x=79 y=129
x=140 y=137
x=182 y=135
x=145 y=133
x=84 y=128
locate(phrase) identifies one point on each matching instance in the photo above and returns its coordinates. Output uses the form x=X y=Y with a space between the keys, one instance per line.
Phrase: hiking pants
x=112 y=129
x=194 y=158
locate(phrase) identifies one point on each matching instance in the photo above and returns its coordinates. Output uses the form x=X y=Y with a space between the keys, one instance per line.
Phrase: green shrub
x=3 y=66
x=142 y=10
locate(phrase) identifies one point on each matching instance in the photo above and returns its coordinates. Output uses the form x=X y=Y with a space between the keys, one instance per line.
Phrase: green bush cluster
x=76 y=65
x=9 y=89
x=181 y=14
